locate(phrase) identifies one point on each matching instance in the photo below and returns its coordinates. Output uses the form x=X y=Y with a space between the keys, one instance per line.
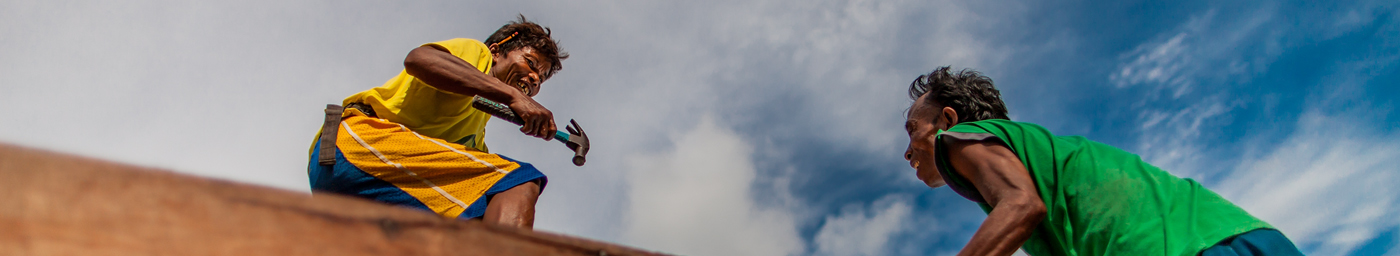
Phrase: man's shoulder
x=461 y=46
x=470 y=50
x=994 y=125
x=1007 y=131
x=462 y=41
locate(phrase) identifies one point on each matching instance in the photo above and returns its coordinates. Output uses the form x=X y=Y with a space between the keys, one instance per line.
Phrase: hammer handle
x=503 y=112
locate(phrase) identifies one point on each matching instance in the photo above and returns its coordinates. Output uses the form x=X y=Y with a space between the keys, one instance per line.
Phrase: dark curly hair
x=968 y=92
x=529 y=34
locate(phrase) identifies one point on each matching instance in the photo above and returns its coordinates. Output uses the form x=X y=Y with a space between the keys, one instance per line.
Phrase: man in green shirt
x=1064 y=195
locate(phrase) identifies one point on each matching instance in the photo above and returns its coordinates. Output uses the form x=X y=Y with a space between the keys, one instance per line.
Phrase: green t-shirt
x=1101 y=200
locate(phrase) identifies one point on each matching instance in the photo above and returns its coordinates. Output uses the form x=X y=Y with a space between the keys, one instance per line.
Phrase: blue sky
x=756 y=127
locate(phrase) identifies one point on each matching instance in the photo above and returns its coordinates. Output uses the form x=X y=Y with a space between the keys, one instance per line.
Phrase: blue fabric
x=1260 y=242
x=526 y=173
x=346 y=179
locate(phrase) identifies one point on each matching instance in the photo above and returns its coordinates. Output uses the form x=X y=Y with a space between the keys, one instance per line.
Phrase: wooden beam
x=55 y=204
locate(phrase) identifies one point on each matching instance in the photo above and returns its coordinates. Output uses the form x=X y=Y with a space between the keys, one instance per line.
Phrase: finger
x=534 y=128
x=550 y=129
x=546 y=129
x=525 y=126
x=529 y=128
x=539 y=128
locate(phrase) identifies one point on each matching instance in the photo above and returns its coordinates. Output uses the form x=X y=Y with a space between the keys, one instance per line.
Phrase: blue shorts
x=345 y=178
x=1259 y=242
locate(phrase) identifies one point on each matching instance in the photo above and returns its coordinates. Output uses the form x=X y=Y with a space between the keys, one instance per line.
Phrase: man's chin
x=935 y=184
x=930 y=178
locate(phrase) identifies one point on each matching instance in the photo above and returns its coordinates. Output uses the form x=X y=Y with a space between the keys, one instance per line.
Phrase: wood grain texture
x=55 y=204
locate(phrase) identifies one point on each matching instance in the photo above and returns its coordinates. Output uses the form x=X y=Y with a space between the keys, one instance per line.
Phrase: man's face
x=521 y=68
x=923 y=124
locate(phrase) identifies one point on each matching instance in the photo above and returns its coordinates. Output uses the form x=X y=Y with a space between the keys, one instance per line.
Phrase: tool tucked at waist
x=331 y=127
x=328 y=131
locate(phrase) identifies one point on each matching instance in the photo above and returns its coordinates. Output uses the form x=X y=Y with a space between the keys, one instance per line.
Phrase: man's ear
x=950 y=116
x=494 y=48
x=497 y=55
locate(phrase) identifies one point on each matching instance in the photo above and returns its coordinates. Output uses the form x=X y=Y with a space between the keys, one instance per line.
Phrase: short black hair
x=523 y=33
x=968 y=92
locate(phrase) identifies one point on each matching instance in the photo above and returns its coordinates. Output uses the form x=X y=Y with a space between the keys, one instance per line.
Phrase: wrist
x=514 y=96
x=507 y=95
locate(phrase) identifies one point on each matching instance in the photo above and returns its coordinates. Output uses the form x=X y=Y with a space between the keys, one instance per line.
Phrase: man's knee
x=515 y=206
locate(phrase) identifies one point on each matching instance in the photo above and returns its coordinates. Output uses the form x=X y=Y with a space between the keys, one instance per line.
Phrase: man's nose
x=532 y=81
x=908 y=153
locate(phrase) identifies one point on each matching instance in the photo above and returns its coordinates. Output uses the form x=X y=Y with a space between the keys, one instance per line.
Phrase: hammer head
x=578 y=141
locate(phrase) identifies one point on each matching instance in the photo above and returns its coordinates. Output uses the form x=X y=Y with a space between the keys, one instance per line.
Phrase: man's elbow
x=1037 y=211
x=418 y=60
x=1030 y=206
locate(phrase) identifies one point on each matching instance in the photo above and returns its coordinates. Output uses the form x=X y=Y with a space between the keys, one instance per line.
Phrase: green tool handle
x=503 y=112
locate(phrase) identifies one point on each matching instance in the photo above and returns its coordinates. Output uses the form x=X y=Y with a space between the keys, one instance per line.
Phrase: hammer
x=576 y=139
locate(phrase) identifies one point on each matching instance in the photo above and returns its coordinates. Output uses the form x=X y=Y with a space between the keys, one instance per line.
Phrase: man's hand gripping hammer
x=576 y=139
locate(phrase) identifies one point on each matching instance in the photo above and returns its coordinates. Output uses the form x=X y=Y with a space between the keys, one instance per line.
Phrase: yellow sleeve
x=470 y=50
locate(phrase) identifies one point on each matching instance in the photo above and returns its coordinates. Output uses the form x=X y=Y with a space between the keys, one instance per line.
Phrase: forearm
x=443 y=71
x=1007 y=227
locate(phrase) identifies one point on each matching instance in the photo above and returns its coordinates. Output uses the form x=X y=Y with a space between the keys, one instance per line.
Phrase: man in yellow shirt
x=417 y=142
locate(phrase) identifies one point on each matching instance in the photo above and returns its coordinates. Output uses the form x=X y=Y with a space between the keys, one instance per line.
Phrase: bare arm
x=1006 y=185
x=441 y=70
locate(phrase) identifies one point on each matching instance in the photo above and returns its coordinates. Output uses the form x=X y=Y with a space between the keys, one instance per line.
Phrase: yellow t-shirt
x=431 y=112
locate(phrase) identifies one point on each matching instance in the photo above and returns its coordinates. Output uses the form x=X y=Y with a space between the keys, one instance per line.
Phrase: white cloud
x=1156 y=63
x=1331 y=184
x=1328 y=185
x=1173 y=137
x=1203 y=50
x=849 y=60
x=860 y=232
x=642 y=80
x=219 y=89
x=697 y=198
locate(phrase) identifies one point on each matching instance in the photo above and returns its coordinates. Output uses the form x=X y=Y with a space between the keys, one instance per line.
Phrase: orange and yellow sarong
x=385 y=161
